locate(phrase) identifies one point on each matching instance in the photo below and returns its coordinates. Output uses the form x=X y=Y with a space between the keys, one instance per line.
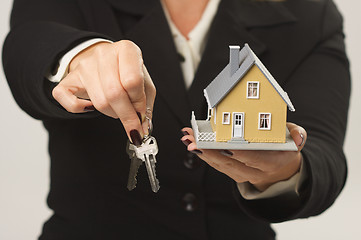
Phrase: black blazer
x=300 y=42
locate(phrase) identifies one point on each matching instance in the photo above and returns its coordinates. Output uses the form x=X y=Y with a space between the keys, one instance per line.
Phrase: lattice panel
x=207 y=136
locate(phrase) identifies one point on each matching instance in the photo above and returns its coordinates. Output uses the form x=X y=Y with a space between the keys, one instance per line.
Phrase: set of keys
x=146 y=152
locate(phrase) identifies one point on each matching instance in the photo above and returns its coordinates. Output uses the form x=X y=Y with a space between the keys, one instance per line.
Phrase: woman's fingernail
x=186 y=142
x=227 y=153
x=89 y=108
x=303 y=139
x=140 y=117
x=196 y=151
x=185 y=133
x=135 y=136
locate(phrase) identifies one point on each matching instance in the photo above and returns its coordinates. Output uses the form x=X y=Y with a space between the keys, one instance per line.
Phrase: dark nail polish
x=185 y=133
x=140 y=117
x=227 y=153
x=198 y=152
x=187 y=142
x=135 y=136
x=89 y=109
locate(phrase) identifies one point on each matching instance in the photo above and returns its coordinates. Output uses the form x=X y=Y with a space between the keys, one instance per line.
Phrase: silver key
x=149 y=153
x=144 y=153
x=135 y=163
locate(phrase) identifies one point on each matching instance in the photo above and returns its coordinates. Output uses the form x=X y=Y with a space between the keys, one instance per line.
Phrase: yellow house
x=245 y=103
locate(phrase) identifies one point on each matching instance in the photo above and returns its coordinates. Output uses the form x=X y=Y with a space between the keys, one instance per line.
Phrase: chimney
x=233 y=59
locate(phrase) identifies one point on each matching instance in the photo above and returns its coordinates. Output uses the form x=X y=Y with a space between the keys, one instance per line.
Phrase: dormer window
x=253 y=89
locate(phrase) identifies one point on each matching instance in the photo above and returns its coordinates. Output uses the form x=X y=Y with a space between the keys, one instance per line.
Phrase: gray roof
x=224 y=83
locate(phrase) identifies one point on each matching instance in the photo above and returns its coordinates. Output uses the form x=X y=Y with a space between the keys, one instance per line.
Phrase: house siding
x=269 y=102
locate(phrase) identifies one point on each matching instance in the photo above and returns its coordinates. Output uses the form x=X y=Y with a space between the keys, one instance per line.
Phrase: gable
x=225 y=81
x=237 y=100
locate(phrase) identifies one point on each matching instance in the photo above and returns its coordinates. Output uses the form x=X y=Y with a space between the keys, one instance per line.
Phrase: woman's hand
x=113 y=77
x=260 y=168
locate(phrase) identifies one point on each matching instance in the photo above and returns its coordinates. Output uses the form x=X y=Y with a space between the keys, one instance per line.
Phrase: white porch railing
x=207 y=136
x=199 y=135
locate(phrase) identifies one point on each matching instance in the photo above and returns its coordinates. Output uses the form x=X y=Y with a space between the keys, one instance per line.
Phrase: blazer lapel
x=233 y=25
x=153 y=36
x=100 y=18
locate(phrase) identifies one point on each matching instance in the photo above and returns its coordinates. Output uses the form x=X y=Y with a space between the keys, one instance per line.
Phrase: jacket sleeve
x=41 y=31
x=320 y=90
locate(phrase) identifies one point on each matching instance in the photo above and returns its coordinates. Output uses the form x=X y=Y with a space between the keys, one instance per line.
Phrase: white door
x=238 y=125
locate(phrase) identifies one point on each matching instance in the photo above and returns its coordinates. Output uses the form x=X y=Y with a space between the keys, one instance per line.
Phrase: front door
x=238 y=125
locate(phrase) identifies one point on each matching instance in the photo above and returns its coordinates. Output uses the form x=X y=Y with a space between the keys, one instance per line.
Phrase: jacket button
x=191 y=161
x=189 y=202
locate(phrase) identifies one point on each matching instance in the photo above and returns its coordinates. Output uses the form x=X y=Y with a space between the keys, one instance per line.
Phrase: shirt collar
x=198 y=35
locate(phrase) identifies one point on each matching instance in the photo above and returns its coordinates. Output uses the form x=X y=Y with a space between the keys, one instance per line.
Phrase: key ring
x=148 y=117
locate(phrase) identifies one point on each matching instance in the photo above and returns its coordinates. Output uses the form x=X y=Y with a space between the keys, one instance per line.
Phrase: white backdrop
x=24 y=164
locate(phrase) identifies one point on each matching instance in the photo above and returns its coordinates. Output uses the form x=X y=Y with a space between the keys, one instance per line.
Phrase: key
x=144 y=153
x=135 y=163
x=148 y=153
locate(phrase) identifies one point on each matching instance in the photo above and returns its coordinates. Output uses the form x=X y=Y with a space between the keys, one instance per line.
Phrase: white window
x=210 y=111
x=226 y=118
x=264 y=121
x=253 y=89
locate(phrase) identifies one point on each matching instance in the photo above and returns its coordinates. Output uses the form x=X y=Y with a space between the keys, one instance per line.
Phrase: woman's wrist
x=83 y=54
x=283 y=174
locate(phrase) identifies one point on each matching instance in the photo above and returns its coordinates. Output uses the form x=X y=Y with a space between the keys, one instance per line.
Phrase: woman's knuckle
x=73 y=106
x=82 y=66
x=129 y=122
x=101 y=104
x=57 y=92
x=99 y=51
x=113 y=93
x=133 y=81
x=127 y=44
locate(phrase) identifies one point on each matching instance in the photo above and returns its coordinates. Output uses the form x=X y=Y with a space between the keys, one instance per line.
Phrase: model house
x=245 y=105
